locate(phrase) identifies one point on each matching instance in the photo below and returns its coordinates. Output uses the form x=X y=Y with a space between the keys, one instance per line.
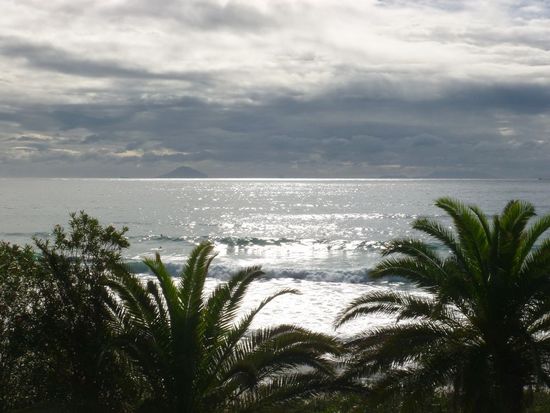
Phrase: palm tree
x=198 y=355
x=483 y=329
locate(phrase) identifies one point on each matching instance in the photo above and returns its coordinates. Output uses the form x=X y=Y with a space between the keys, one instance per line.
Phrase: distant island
x=184 y=172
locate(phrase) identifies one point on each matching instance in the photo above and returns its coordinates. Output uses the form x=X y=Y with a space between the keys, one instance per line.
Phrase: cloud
x=203 y=15
x=242 y=87
x=50 y=58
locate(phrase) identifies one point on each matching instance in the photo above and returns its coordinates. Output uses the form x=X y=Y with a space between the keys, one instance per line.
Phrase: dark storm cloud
x=517 y=98
x=356 y=130
x=262 y=88
x=340 y=129
x=93 y=139
x=48 y=57
x=25 y=139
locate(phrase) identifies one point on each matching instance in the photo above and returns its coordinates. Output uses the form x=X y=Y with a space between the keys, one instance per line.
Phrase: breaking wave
x=251 y=242
x=221 y=272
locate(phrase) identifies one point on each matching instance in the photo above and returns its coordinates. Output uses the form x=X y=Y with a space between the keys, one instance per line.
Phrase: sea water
x=319 y=237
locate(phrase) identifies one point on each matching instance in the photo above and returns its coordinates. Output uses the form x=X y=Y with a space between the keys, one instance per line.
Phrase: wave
x=253 y=241
x=29 y=235
x=221 y=272
x=159 y=237
x=250 y=242
x=139 y=267
x=328 y=244
x=232 y=241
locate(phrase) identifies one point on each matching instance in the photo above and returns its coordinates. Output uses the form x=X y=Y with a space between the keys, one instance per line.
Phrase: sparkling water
x=317 y=236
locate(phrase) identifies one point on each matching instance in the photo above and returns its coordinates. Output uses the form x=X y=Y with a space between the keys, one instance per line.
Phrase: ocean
x=317 y=236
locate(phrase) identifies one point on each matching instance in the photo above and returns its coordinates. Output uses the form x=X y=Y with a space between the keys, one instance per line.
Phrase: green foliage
x=21 y=281
x=78 y=262
x=78 y=332
x=198 y=352
x=331 y=403
x=357 y=403
x=482 y=332
x=54 y=325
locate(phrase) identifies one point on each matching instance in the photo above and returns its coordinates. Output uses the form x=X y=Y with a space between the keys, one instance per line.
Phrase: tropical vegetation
x=80 y=332
x=54 y=325
x=198 y=352
x=480 y=332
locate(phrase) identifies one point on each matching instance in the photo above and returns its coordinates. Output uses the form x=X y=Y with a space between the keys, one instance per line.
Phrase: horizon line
x=270 y=179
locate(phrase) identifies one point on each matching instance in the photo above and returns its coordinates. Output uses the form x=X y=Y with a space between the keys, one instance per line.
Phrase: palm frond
x=403 y=305
x=419 y=272
x=530 y=238
x=471 y=233
x=169 y=290
x=484 y=330
x=197 y=354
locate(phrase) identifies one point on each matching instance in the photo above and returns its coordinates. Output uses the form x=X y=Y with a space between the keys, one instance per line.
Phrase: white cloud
x=130 y=71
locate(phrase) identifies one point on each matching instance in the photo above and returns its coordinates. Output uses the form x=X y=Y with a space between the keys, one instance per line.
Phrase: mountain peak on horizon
x=184 y=172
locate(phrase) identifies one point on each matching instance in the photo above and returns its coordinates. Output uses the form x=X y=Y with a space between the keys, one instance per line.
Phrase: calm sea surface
x=318 y=236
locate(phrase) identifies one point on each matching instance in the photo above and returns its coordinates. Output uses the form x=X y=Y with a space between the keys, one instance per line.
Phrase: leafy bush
x=22 y=283
x=54 y=325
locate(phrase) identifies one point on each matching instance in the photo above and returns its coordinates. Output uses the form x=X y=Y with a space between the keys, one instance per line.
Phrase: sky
x=275 y=88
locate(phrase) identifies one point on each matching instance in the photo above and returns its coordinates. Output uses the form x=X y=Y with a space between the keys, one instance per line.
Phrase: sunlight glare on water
x=318 y=236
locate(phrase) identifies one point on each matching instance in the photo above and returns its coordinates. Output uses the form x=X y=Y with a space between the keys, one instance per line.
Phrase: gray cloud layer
x=275 y=88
